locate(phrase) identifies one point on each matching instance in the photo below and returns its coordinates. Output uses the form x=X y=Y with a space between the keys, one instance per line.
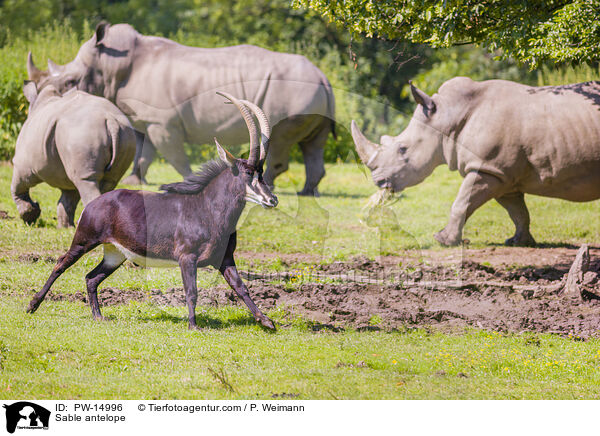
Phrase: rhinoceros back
x=542 y=140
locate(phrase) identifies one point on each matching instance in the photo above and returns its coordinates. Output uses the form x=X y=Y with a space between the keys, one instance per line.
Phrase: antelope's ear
x=225 y=156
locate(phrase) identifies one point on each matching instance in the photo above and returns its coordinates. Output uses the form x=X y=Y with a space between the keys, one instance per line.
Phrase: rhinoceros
x=168 y=92
x=506 y=139
x=78 y=143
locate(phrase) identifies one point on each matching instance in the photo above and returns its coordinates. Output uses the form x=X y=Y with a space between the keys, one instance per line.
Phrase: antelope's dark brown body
x=191 y=224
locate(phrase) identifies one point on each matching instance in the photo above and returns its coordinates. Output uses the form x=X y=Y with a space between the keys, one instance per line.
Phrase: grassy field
x=146 y=351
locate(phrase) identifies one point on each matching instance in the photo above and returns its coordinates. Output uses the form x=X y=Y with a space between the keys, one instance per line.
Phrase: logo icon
x=26 y=415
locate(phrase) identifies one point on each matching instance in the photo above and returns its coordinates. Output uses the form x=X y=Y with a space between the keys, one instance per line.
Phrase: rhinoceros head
x=398 y=162
x=36 y=99
x=98 y=68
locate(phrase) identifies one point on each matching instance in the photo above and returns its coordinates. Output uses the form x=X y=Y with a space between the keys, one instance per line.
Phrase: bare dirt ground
x=503 y=289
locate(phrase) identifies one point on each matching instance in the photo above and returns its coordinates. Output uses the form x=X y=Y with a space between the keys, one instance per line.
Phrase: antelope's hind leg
x=111 y=261
x=79 y=247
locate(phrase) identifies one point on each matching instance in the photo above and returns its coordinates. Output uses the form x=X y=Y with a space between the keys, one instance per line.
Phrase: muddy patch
x=372 y=307
x=214 y=297
x=4 y=215
x=346 y=294
x=36 y=257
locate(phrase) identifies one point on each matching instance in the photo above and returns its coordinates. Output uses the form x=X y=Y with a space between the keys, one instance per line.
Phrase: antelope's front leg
x=188 y=266
x=231 y=275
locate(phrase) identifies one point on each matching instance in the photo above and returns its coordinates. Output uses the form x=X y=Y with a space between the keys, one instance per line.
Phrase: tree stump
x=575 y=277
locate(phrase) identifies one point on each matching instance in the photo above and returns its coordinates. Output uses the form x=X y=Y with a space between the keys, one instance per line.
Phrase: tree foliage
x=530 y=31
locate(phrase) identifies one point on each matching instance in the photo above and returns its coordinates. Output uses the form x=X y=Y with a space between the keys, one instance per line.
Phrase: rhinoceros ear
x=101 y=30
x=30 y=91
x=422 y=99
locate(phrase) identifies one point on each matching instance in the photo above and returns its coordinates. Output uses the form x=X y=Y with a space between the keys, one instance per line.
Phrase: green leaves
x=530 y=31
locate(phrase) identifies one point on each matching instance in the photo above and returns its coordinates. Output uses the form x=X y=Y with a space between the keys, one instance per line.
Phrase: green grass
x=146 y=351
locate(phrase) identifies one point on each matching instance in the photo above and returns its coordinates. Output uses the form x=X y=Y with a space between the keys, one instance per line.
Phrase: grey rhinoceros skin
x=78 y=143
x=506 y=139
x=168 y=92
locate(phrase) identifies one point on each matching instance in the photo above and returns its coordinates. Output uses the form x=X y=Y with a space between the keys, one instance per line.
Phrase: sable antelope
x=191 y=224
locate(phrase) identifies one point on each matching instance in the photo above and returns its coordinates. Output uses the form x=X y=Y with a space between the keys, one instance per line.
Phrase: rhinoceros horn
x=34 y=73
x=364 y=147
x=422 y=98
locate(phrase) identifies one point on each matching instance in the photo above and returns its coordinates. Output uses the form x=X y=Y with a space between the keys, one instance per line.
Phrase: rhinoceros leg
x=169 y=142
x=314 y=166
x=88 y=189
x=29 y=210
x=286 y=133
x=65 y=209
x=514 y=204
x=476 y=189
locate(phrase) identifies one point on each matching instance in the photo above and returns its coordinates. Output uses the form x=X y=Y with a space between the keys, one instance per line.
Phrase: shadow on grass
x=342 y=195
x=290 y=193
x=202 y=320
x=546 y=245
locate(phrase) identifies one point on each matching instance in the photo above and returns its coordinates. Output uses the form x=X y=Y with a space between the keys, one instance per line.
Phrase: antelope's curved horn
x=265 y=131
x=252 y=128
x=33 y=72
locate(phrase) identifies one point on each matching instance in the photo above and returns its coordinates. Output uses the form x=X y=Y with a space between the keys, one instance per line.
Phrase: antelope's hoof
x=267 y=323
x=33 y=305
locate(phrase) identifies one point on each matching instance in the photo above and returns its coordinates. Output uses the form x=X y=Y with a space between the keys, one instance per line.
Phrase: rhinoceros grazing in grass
x=78 y=143
x=506 y=139
x=168 y=92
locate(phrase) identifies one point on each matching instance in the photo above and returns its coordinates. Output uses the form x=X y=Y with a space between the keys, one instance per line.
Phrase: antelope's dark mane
x=196 y=182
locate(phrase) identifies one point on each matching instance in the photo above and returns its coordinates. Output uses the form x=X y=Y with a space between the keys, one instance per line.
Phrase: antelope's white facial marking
x=257 y=192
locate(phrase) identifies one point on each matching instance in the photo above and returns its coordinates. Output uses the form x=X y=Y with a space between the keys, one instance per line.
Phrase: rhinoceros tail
x=113 y=128
x=330 y=105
